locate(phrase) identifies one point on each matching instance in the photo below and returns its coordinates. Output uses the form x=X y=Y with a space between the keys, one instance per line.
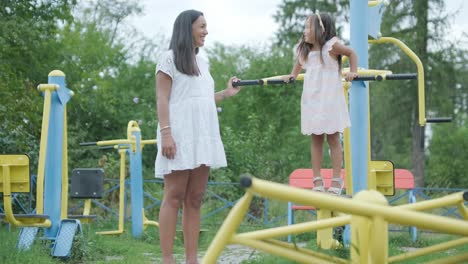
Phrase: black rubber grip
x=88 y=143
x=247 y=82
x=422 y=138
x=245 y=182
x=388 y=77
x=279 y=81
x=401 y=76
x=368 y=78
x=439 y=120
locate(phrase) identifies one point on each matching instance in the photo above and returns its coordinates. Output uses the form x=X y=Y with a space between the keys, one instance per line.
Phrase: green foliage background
x=110 y=67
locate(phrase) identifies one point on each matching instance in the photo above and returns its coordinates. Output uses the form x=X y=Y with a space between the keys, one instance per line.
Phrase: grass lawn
x=92 y=248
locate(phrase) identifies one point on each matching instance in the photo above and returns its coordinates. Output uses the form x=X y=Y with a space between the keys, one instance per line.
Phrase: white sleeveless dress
x=323 y=105
x=193 y=119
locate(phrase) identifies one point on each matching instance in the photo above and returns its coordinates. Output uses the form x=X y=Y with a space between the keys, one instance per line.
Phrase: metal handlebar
x=388 y=77
x=88 y=143
x=261 y=82
x=439 y=120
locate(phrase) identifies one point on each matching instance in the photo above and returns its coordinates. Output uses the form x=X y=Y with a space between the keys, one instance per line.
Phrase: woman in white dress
x=189 y=141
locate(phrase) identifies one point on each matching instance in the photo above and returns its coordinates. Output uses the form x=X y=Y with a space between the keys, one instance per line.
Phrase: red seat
x=302 y=178
x=404 y=179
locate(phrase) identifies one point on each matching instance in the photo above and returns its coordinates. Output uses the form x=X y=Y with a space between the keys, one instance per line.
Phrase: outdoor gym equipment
x=370 y=76
x=368 y=213
x=132 y=146
x=52 y=176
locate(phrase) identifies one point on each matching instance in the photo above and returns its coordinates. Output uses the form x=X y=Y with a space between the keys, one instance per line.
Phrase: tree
x=29 y=51
x=292 y=14
x=410 y=21
x=447 y=160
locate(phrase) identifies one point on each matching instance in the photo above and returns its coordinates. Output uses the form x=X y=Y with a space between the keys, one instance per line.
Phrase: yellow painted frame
x=369 y=216
x=420 y=70
x=15 y=167
x=122 y=145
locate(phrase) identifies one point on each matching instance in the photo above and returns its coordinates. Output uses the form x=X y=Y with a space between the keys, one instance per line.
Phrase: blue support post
x=53 y=163
x=359 y=98
x=136 y=185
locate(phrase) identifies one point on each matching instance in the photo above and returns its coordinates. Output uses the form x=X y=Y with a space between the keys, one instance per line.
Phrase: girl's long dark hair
x=182 y=43
x=303 y=48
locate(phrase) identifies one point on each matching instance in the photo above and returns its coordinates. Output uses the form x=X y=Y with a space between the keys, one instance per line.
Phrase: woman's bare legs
x=175 y=185
x=336 y=156
x=196 y=187
x=317 y=155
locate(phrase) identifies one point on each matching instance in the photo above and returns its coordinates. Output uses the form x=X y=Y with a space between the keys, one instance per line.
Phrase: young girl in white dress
x=323 y=107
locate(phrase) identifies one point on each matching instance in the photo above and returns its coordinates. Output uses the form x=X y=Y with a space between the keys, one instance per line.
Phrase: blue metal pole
x=136 y=186
x=53 y=163
x=359 y=98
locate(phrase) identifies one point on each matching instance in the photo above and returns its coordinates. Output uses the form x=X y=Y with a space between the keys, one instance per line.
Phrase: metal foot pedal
x=65 y=236
x=26 y=237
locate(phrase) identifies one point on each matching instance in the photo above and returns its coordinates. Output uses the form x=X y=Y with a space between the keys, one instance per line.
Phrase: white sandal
x=336 y=190
x=319 y=188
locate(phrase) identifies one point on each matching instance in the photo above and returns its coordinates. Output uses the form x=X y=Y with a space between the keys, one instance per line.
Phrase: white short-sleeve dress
x=193 y=119
x=323 y=105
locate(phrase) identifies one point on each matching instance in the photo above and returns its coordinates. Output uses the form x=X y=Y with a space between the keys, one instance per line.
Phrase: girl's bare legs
x=175 y=185
x=196 y=187
x=336 y=156
x=317 y=155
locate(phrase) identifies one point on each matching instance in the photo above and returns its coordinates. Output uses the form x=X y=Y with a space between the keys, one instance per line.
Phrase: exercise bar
x=388 y=77
x=261 y=82
x=88 y=143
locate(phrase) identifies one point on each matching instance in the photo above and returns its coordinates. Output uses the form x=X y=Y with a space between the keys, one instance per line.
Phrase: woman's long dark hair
x=182 y=43
x=303 y=48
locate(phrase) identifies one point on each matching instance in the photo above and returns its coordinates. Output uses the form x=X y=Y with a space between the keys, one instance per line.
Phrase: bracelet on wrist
x=164 y=128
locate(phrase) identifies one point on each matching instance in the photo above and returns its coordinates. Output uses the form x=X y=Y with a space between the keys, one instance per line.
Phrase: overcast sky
x=240 y=21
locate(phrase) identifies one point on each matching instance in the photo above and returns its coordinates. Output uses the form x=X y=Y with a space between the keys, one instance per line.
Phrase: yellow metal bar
x=64 y=209
x=420 y=68
x=371 y=175
x=347 y=148
x=147 y=222
x=87 y=207
x=120 y=229
x=227 y=229
x=280 y=251
x=325 y=238
x=148 y=142
x=306 y=251
x=9 y=216
x=463 y=210
x=374 y=3
x=132 y=127
x=47 y=87
x=359 y=239
x=428 y=250
x=300 y=77
x=379 y=240
x=449 y=200
x=369 y=234
x=114 y=142
x=43 y=146
x=462 y=258
x=390 y=214
x=297 y=228
x=362 y=71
